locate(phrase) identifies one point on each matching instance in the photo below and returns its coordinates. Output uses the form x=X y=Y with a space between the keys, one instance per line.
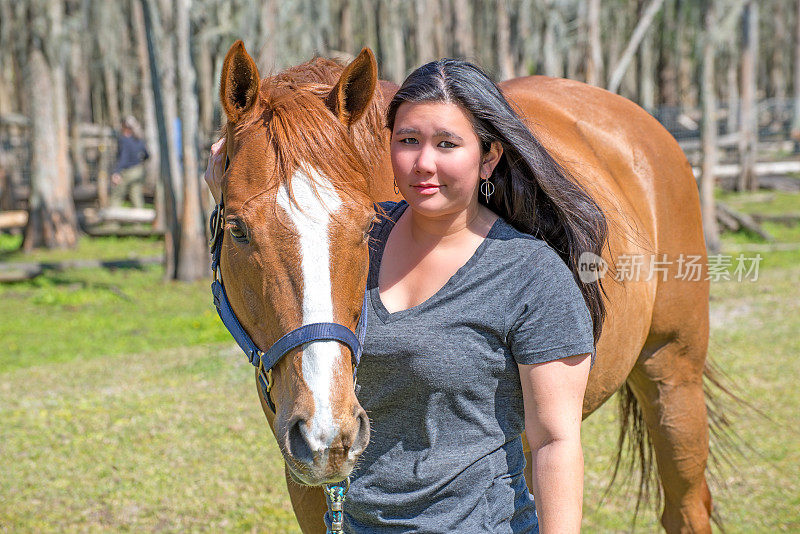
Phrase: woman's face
x=436 y=158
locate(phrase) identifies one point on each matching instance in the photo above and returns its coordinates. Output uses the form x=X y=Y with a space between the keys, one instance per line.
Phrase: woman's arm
x=553 y=399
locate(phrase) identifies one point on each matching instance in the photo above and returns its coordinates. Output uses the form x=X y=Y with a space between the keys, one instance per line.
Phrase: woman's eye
x=408 y=141
x=447 y=144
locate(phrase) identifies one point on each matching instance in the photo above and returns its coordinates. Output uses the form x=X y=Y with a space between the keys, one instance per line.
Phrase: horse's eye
x=238 y=231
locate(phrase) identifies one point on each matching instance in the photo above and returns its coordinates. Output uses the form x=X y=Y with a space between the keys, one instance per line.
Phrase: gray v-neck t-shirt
x=441 y=386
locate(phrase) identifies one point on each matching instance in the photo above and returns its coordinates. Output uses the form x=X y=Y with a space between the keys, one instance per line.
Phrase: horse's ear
x=351 y=96
x=239 y=82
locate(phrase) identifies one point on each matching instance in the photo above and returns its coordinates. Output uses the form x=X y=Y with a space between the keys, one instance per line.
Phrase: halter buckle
x=266 y=375
x=216 y=224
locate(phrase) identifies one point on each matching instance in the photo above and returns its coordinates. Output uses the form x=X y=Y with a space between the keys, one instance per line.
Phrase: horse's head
x=301 y=147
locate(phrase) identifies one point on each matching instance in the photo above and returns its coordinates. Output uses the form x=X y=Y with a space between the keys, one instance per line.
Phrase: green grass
x=768 y=203
x=125 y=406
x=102 y=248
x=167 y=441
x=87 y=313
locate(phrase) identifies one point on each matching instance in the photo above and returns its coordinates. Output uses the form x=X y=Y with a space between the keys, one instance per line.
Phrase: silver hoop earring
x=396 y=189
x=487 y=189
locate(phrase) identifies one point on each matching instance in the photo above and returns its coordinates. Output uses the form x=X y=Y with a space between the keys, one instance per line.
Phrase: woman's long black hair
x=533 y=192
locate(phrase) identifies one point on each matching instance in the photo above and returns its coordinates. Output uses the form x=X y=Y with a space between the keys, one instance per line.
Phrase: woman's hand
x=216 y=169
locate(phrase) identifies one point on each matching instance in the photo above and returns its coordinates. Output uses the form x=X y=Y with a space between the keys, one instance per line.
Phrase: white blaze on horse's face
x=311 y=212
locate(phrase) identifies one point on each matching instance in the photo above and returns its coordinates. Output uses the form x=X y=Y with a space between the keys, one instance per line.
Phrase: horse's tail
x=635 y=452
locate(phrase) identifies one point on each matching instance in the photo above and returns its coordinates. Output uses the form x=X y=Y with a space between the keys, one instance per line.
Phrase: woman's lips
x=426 y=189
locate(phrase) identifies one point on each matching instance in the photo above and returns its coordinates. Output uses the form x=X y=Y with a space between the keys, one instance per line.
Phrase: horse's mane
x=304 y=132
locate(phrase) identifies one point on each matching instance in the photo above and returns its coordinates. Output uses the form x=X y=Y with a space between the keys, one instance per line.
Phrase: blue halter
x=308 y=333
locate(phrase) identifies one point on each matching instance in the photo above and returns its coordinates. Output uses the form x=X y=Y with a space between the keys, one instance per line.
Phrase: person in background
x=128 y=176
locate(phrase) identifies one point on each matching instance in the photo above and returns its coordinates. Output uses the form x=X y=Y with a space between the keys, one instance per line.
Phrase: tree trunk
x=153 y=164
x=709 y=134
x=796 y=85
x=505 y=62
x=51 y=221
x=371 y=29
x=164 y=115
x=667 y=71
x=732 y=82
x=346 y=27
x=686 y=89
x=112 y=93
x=7 y=81
x=425 y=14
x=390 y=28
x=777 y=80
x=521 y=43
x=442 y=32
x=192 y=250
x=646 y=71
x=553 y=65
x=268 y=39
x=748 y=180
x=636 y=38
x=594 y=59
x=81 y=105
x=462 y=12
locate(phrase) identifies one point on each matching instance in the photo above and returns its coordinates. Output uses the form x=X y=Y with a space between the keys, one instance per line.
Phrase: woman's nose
x=425 y=163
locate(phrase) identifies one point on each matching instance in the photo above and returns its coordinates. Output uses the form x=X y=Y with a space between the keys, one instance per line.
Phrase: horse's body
x=655 y=336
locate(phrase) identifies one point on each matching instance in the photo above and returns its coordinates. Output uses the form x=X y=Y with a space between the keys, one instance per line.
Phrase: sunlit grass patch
x=87 y=313
x=161 y=441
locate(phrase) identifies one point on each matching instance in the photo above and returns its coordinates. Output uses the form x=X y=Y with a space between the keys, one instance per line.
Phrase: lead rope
x=336 y=494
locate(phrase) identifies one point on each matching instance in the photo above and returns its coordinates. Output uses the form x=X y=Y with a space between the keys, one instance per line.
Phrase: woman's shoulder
x=514 y=241
x=525 y=257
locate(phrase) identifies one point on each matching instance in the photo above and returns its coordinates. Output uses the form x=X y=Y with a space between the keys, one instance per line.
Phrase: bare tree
x=636 y=38
x=346 y=43
x=392 y=46
x=425 y=44
x=192 y=250
x=708 y=99
x=165 y=115
x=51 y=220
x=505 y=62
x=594 y=60
x=553 y=60
x=748 y=137
x=732 y=83
x=148 y=113
x=462 y=12
x=796 y=85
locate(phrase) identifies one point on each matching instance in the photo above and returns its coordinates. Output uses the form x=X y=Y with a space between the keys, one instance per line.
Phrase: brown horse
x=308 y=157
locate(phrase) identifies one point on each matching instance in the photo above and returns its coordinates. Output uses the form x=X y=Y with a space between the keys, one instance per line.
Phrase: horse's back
x=639 y=176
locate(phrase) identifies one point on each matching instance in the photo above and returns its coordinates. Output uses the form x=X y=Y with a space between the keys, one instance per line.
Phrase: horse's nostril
x=297 y=443
x=361 y=437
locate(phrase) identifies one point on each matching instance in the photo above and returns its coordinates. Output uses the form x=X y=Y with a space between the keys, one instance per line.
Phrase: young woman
x=479 y=328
